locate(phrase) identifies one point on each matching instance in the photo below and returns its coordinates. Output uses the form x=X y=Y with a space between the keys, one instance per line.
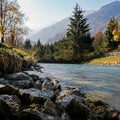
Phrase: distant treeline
x=79 y=46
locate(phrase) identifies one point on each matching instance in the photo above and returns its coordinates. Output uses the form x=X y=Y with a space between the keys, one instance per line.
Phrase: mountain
x=99 y=19
x=98 y=22
x=54 y=32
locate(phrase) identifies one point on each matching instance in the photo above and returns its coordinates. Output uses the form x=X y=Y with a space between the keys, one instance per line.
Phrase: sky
x=42 y=13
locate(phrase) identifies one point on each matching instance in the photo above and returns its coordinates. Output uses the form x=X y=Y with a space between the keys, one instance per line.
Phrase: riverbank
x=111 y=60
x=31 y=95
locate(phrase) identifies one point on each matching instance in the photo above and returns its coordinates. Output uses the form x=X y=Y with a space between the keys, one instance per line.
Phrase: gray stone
x=18 y=76
x=64 y=93
x=23 y=84
x=75 y=90
x=7 y=89
x=32 y=68
x=65 y=116
x=38 y=84
x=56 y=85
x=33 y=95
x=10 y=103
x=3 y=81
x=37 y=115
x=74 y=106
x=38 y=74
x=50 y=108
x=47 y=84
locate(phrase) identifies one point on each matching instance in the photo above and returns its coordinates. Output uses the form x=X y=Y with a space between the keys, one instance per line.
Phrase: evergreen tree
x=40 y=49
x=109 y=37
x=27 y=44
x=78 y=34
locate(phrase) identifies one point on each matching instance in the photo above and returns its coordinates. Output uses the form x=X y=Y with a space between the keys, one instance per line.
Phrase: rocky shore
x=31 y=95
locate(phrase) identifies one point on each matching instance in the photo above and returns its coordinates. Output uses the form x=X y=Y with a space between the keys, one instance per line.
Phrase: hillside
x=50 y=32
x=98 y=21
x=54 y=32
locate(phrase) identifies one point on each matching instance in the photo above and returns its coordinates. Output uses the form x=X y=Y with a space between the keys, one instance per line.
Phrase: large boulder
x=9 y=107
x=3 y=81
x=8 y=89
x=20 y=80
x=39 y=75
x=32 y=95
x=36 y=115
x=100 y=110
x=50 y=108
x=47 y=84
x=74 y=106
x=18 y=76
x=9 y=62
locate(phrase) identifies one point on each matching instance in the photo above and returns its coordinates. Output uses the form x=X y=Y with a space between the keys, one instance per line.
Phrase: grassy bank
x=110 y=60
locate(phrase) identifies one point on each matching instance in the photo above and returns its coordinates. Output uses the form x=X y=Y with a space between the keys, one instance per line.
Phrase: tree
x=109 y=37
x=116 y=33
x=99 y=44
x=40 y=49
x=3 y=14
x=78 y=34
x=27 y=44
x=11 y=21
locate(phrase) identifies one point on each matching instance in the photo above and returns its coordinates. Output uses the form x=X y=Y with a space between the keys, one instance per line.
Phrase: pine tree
x=78 y=34
x=27 y=44
x=40 y=49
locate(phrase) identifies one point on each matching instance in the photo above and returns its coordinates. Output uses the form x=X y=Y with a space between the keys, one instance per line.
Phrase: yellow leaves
x=2 y=28
x=116 y=33
x=12 y=32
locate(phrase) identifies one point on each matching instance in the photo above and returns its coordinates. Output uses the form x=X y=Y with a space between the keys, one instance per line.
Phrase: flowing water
x=101 y=82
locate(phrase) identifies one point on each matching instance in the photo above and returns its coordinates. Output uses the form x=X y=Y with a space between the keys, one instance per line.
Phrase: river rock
x=75 y=90
x=36 y=115
x=9 y=107
x=65 y=116
x=115 y=113
x=20 y=80
x=39 y=75
x=8 y=89
x=56 y=85
x=74 y=106
x=64 y=93
x=100 y=110
x=50 y=108
x=22 y=84
x=38 y=68
x=32 y=68
x=38 y=84
x=18 y=76
x=3 y=81
x=32 y=95
x=47 y=84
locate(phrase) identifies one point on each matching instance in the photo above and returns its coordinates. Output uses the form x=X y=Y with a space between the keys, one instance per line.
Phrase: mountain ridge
x=98 y=22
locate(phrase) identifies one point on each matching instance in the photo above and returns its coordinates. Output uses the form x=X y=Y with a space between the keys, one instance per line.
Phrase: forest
x=77 y=47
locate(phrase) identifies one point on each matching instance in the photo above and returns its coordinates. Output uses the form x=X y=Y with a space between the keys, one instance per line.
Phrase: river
x=101 y=82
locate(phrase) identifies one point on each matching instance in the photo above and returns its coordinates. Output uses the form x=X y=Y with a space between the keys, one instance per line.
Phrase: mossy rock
x=9 y=62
